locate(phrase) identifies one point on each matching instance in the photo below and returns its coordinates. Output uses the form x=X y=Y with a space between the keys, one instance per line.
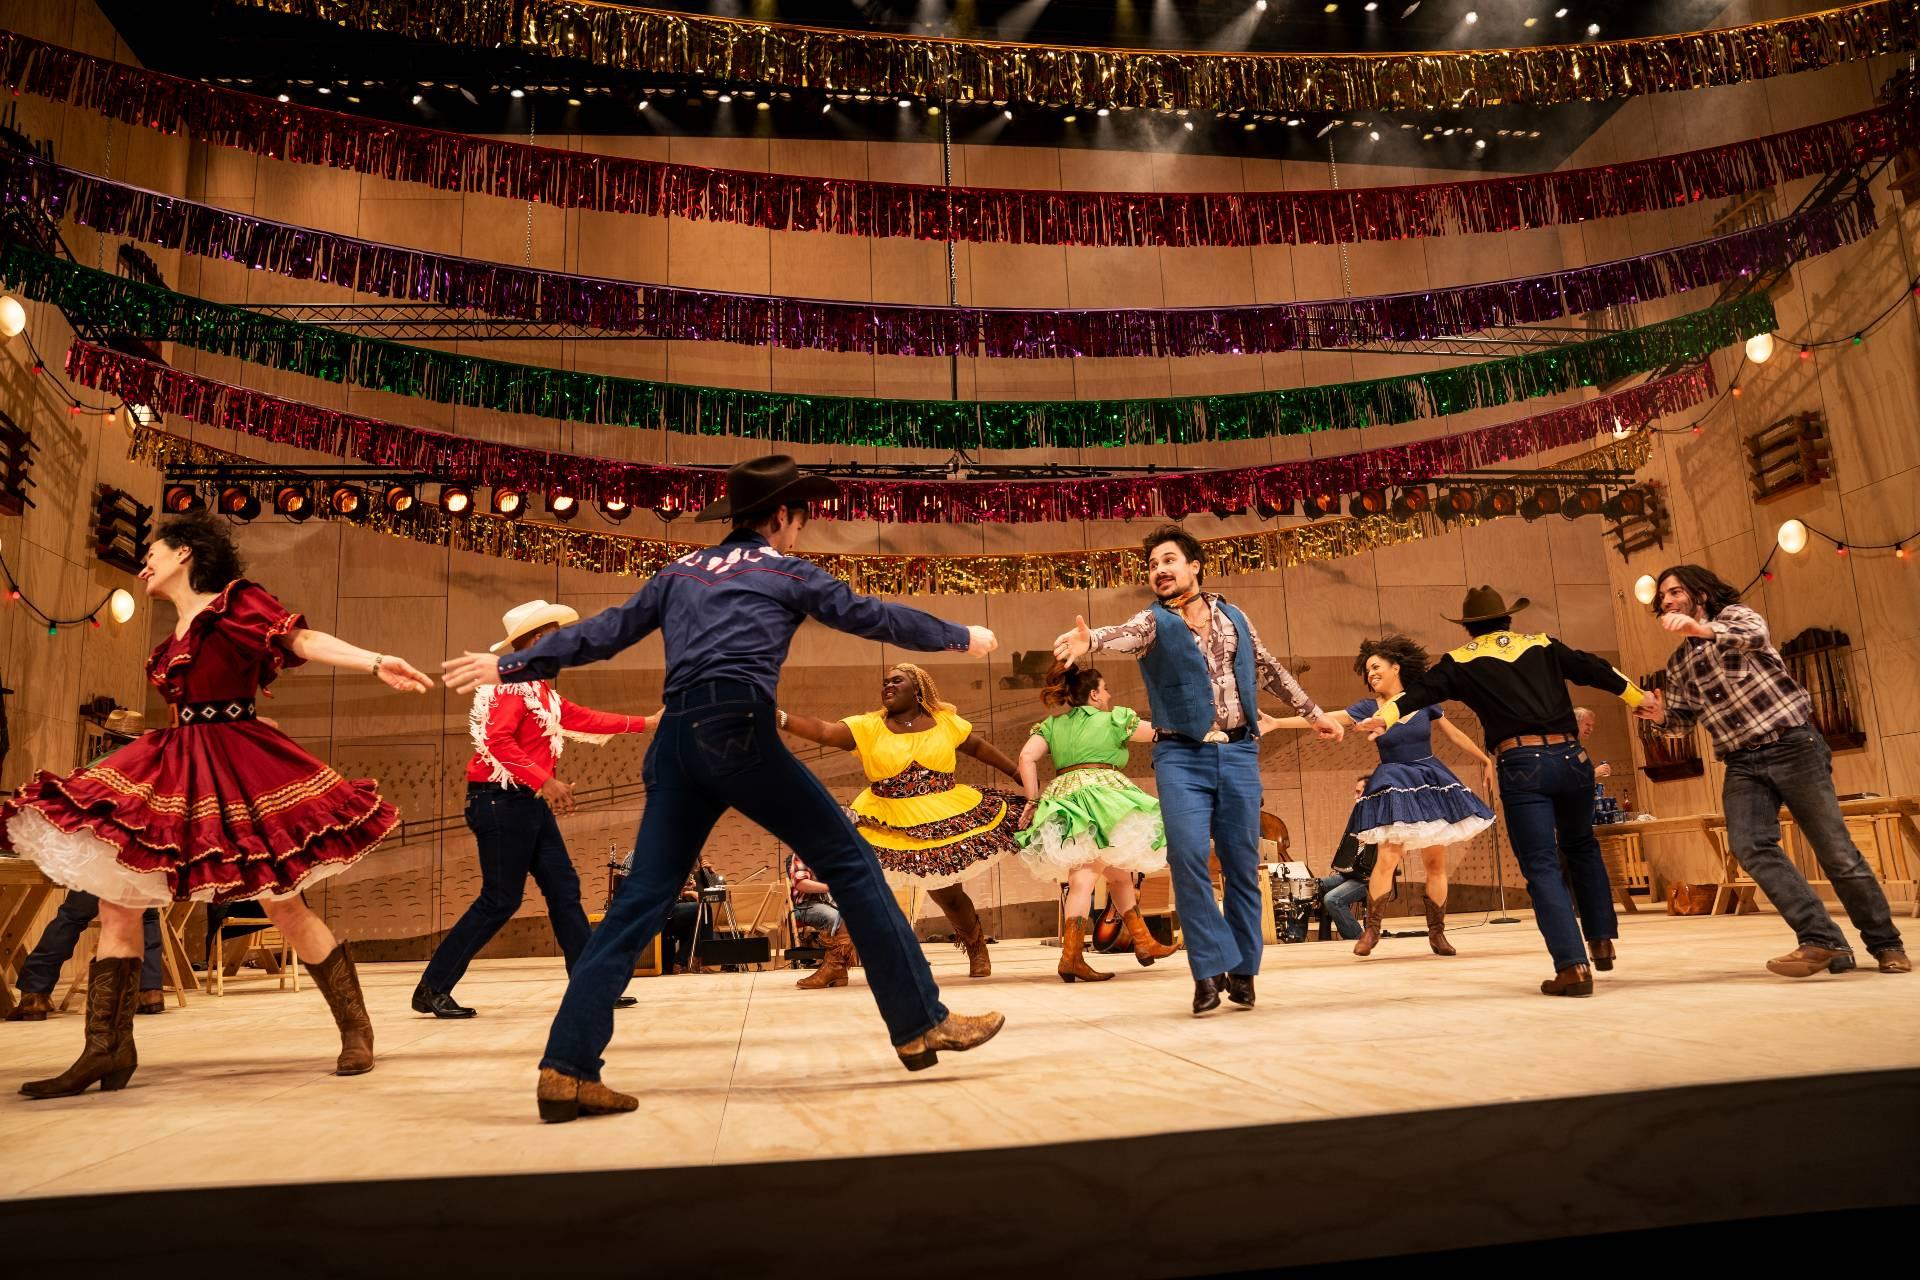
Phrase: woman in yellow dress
x=926 y=829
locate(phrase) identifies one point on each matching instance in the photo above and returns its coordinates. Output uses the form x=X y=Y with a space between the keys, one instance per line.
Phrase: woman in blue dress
x=1412 y=801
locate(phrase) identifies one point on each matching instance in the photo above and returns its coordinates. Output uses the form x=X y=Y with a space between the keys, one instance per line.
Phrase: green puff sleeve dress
x=1091 y=812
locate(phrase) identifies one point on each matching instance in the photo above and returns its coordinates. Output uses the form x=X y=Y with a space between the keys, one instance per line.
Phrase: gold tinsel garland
x=627 y=555
x=782 y=55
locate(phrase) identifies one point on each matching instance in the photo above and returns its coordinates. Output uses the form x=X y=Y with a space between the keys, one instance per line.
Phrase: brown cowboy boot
x=969 y=934
x=1603 y=954
x=1072 y=943
x=1893 y=960
x=1370 y=935
x=1437 y=929
x=108 y=1057
x=340 y=984
x=833 y=966
x=33 y=1007
x=1804 y=961
x=1146 y=947
x=561 y=1097
x=958 y=1033
x=152 y=1002
x=1574 y=980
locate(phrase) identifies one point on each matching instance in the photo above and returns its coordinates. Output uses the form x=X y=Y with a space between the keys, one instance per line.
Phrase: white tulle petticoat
x=1131 y=848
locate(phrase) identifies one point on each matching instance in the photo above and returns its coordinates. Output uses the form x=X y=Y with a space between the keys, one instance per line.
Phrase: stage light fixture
x=1627 y=502
x=1546 y=500
x=1368 y=502
x=509 y=503
x=345 y=500
x=562 y=506
x=293 y=501
x=1320 y=504
x=615 y=509
x=456 y=500
x=179 y=499
x=1273 y=509
x=1412 y=502
x=1584 y=502
x=239 y=503
x=399 y=498
x=1499 y=502
x=1458 y=502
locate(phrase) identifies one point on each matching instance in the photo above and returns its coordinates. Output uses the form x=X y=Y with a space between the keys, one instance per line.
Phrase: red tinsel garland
x=789 y=202
x=670 y=311
x=673 y=490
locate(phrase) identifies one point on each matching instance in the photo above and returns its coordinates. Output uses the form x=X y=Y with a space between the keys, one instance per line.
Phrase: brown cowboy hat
x=1483 y=603
x=759 y=484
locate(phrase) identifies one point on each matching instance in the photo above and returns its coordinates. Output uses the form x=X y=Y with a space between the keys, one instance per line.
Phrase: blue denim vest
x=1176 y=673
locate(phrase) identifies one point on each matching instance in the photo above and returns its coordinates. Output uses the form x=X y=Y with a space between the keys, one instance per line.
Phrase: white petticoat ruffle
x=81 y=860
x=1049 y=854
x=1425 y=835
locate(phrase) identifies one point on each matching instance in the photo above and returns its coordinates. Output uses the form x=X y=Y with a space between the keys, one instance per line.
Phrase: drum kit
x=1294 y=890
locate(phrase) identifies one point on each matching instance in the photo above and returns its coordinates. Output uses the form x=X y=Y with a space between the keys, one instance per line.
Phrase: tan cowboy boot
x=33 y=1007
x=833 y=966
x=1146 y=947
x=112 y=986
x=1072 y=943
x=339 y=982
x=1437 y=929
x=561 y=1097
x=958 y=1033
x=969 y=934
x=1574 y=980
x=1370 y=935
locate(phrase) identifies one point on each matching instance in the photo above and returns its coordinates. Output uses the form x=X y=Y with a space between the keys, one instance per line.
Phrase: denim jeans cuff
x=939 y=1017
x=568 y=1069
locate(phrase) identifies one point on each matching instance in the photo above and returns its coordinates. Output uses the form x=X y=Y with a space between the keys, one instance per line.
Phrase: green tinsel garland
x=126 y=306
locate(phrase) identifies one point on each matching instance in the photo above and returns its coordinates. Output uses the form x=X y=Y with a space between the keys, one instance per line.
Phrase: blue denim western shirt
x=729 y=613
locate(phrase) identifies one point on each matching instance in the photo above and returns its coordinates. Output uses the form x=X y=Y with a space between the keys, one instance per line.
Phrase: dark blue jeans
x=1548 y=795
x=1796 y=769
x=517 y=837
x=1210 y=794
x=41 y=969
x=716 y=749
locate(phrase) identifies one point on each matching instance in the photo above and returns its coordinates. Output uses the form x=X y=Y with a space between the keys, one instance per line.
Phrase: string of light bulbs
x=1793 y=537
x=117 y=604
x=1760 y=348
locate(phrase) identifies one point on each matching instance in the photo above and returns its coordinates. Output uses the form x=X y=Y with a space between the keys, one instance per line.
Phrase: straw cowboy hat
x=531 y=616
x=759 y=484
x=122 y=723
x=1483 y=603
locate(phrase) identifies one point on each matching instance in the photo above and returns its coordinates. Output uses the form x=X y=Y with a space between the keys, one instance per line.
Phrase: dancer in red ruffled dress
x=218 y=808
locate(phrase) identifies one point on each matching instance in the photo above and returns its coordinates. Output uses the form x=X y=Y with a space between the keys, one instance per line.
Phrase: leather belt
x=1075 y=768
x=1214 y=736
x=1535 y=740
x=231 y=712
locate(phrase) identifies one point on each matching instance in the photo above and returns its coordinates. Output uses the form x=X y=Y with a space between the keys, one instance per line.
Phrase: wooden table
x=1882 y=827
x=1626 y=862
x=24 y=890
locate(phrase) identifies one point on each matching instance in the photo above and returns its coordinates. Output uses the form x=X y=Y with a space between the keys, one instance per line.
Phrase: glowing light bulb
x=1792 y=537
x=1760 y=348
x=120 y=605
x=1645 y=588
x=13 y=317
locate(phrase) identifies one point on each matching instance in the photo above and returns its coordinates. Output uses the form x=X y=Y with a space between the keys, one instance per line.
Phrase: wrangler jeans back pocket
x=726 y=741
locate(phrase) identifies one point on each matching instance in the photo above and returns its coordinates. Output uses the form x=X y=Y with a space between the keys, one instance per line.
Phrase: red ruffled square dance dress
x=216 y=810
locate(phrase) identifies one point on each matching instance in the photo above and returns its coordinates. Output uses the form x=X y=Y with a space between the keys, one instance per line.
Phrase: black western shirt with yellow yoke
x=1515 y=682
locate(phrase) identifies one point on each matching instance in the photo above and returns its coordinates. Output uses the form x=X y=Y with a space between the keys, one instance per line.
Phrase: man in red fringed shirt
x=513 y=799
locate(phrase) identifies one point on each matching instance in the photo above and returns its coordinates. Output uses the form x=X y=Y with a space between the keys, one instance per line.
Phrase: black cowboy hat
x=758 y=485
x=1483 y=603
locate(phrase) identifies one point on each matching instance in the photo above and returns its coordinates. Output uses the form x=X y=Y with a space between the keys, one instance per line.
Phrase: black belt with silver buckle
x=1230 y=735
x=231 y=712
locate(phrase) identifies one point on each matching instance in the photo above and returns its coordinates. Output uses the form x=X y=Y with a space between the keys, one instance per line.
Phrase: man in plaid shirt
x=1728 y=676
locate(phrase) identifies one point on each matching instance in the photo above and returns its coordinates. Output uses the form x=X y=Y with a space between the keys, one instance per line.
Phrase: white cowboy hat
x=532 y=616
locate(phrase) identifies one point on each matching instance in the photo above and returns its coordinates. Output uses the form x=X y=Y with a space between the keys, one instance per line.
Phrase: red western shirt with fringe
x=519 y=731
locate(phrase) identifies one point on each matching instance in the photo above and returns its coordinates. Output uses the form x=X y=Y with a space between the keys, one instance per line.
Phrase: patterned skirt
x=210 y=813
x=918 y=849
x=1094 y=815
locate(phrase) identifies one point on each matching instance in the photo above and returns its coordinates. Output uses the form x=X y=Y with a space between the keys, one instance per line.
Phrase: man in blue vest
x=1202 y=684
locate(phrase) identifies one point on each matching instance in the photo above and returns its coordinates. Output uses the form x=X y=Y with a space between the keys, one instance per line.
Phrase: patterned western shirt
x=796 y=872
x=1219 y=646
x=1736 y=684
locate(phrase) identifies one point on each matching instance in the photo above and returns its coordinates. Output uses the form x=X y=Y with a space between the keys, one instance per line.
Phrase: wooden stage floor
x=1693 y=1087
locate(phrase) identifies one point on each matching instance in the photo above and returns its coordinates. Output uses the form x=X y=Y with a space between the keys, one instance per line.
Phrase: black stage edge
x=1508 y=1182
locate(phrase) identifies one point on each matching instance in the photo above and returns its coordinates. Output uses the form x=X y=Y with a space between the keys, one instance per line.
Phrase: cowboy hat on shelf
x=524 y=619
x=757 y=485
x=1484 y=603
x=122 y=723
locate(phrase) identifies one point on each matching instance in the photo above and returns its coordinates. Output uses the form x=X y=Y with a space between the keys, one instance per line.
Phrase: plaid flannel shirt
x=1736 y=684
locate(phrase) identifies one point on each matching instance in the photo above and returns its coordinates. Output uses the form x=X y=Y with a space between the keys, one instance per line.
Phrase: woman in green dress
x=1091 y=821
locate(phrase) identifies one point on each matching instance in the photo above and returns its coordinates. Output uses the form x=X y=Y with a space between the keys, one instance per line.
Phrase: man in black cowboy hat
x=1517 y=684
x=728 y=614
